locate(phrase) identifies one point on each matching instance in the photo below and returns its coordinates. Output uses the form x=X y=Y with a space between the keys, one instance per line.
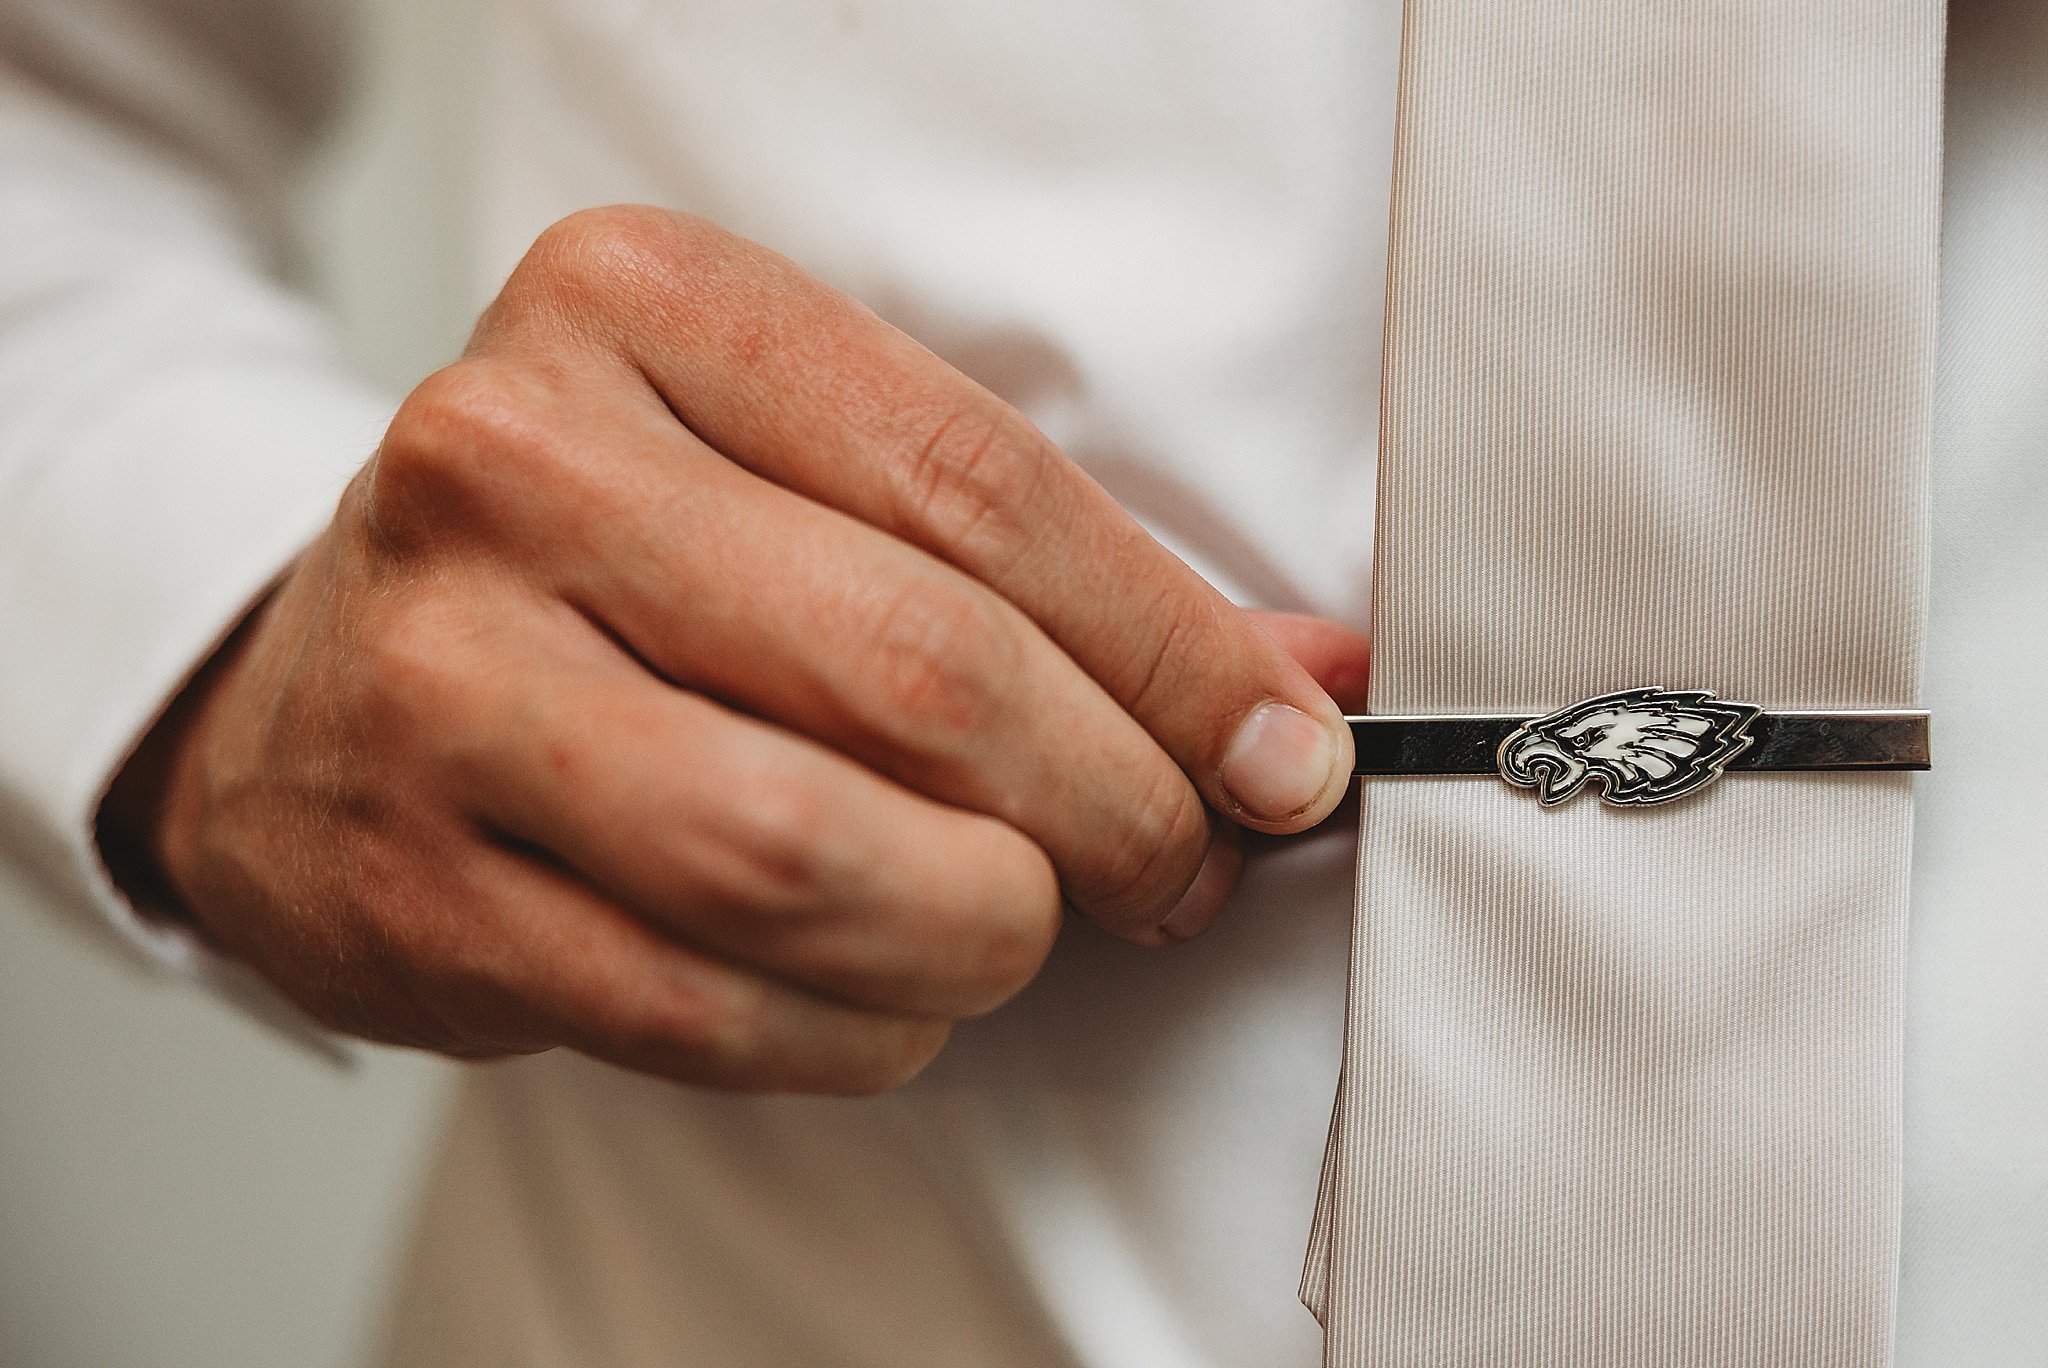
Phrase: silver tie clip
x=1639 y=746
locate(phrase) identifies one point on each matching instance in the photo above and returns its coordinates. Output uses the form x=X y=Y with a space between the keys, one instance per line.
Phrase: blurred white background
x=179 y=1189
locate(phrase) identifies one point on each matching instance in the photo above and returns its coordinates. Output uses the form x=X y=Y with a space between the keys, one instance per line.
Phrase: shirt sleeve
x=174 y=424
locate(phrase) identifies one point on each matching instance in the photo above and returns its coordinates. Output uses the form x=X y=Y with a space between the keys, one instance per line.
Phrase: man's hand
x=704 y=676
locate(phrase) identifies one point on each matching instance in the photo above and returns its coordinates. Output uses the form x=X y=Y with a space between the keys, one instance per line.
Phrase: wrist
x=144 y=827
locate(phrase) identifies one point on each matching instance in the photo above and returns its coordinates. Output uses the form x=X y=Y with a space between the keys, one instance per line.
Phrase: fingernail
x=1279 y=763
x=1207 y=896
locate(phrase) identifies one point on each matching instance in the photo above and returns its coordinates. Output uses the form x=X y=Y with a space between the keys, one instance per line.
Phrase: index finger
x=807 y=388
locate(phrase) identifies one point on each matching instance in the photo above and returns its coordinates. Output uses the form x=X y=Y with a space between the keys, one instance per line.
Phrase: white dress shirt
x=1159 y=229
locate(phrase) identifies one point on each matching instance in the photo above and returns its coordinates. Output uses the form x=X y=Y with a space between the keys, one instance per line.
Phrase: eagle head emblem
x=1642 y=745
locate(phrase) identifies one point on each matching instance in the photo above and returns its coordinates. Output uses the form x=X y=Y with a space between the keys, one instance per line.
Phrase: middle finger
x=727 y=584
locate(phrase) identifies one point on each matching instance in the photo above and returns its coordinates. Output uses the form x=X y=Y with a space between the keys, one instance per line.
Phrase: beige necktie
x=1622 y=1084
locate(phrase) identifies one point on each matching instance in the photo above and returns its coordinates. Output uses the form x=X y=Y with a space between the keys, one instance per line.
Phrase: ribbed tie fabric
x=1621 y=1087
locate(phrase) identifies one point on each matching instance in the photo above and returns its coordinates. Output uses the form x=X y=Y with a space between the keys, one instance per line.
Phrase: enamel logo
x=1639 y=746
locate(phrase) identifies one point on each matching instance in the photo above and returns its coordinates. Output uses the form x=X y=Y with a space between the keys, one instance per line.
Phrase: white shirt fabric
x=1159 y=229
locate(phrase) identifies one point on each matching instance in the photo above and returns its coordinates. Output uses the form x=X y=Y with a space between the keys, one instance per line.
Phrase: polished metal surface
x=1639 y=746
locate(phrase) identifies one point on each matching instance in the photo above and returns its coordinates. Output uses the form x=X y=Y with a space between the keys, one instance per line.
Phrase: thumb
x=1339 y=657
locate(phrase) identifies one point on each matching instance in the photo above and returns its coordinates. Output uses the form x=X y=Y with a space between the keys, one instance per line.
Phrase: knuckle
x=411 y=670
x=937 y=658
x=1157 y=667
x=963 y=950
x=597 y=266
x=969 y=482
x=468 y=435
x=780 y=833
x=704 y=1033
x=604 y=248
x=895 y=1053
x=1016 y=935
x=1165 y=832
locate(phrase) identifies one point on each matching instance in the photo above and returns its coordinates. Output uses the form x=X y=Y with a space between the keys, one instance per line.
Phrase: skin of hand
x=707 y=678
